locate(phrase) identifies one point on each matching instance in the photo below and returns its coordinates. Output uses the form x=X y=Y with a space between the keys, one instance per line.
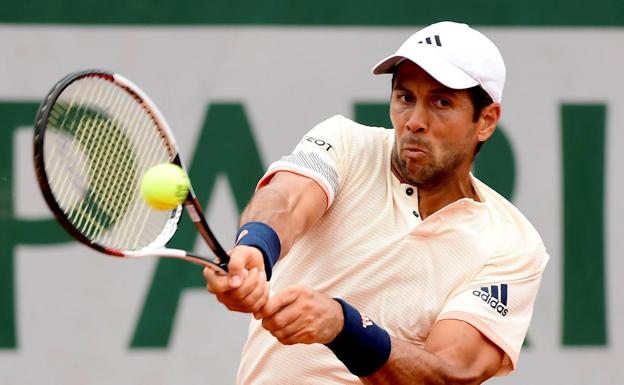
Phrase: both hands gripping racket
x=96 y=133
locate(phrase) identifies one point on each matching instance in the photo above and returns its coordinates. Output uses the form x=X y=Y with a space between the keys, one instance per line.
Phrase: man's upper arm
x=462 y=346
x=298 y=188
x=306 y=196
x=289 y=203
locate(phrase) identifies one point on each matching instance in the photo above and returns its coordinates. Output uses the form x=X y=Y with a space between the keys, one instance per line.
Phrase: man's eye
x=442 y=103
x=406 y=98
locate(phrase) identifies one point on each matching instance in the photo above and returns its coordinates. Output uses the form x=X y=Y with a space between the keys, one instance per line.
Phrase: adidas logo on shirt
x=495 y=298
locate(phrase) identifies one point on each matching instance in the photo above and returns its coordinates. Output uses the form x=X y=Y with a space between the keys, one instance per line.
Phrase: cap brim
x=441 y=70
x=386 y=66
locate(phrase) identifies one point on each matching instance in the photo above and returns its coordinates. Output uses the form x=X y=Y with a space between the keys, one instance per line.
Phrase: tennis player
x=389 y=261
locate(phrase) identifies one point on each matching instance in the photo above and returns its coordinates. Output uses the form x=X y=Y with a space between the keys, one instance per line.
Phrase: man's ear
x=488 y=120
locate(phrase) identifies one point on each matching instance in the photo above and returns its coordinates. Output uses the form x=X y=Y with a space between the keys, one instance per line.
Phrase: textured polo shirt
x=480 y=262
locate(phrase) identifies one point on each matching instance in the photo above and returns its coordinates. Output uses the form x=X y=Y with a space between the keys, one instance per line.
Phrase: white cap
x=454 y=54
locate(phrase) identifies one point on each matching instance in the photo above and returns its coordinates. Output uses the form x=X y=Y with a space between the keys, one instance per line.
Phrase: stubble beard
x=432 y=174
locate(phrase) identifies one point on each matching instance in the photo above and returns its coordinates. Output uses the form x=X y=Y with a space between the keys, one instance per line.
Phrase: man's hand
x=301 y=315
x=244 y=288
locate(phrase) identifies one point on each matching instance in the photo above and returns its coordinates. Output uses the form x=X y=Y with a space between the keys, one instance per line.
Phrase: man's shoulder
x=518 y=238
x=507 y=212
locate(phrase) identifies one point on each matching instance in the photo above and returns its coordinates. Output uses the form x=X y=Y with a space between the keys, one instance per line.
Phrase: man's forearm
x=290 y=204
x=409 y=364
x=272 y=207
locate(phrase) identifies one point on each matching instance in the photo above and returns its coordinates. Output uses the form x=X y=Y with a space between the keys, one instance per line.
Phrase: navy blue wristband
x=362 y=346
x=265 y=239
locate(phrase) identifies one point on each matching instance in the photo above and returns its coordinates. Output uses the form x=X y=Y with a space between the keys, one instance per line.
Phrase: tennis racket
x=96 y=133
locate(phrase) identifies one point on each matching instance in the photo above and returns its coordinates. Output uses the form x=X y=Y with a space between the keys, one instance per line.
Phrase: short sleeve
x=499 y=301
x=320 y=155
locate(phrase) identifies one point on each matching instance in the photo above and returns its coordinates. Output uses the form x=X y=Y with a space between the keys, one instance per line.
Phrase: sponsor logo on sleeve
x=495 y=297
x=319 y=142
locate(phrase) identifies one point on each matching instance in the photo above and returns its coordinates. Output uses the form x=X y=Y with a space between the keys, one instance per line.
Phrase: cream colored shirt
x=480 y=262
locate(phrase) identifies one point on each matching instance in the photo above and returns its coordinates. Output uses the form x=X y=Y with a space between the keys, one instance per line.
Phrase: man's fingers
x=266 y=295
x=243 y=258
x=218 y=283
x=300 y=315
x=283 y=320
x=301 y=336
x=215 y=283
x=293 y=334
x=250 y=296
x=244 y=288
x=249 y=283
x=236 y=266
x=278 y=301
x=259 y=296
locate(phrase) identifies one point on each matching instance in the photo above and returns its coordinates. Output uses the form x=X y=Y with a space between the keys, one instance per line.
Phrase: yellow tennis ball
x=165 y=186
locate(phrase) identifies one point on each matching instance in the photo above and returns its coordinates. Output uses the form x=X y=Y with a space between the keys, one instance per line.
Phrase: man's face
x=435 y=133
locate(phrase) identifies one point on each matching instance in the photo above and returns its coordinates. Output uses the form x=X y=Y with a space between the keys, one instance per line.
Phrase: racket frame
x=191 y=204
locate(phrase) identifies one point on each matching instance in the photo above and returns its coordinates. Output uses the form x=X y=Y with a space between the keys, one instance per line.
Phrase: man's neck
x=433 y=198
x=440 y=193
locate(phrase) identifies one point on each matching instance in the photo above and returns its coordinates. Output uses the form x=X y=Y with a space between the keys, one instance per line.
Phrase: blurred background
x=240 y=82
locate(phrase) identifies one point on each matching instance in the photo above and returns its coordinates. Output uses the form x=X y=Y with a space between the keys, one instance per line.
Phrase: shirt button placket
x=409 y=191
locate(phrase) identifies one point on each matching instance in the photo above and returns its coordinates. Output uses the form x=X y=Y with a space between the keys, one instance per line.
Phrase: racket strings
x=103 y=141
x=70 y=187
x=93 y=209
x=145 y=160
x=146 y=129
x=125 y=165
x=59 y=116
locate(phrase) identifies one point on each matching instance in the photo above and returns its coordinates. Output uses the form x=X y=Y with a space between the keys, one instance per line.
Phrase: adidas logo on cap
x=495 y=298
x=428 y=41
